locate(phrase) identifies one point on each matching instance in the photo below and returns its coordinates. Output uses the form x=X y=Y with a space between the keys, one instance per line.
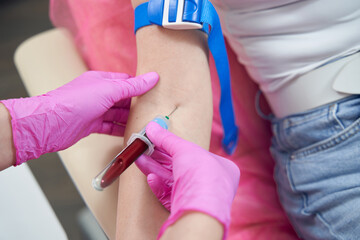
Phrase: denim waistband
x=298 y=130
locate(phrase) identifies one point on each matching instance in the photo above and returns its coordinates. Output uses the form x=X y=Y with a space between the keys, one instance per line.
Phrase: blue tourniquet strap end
x=230 y=141
x=141 y=19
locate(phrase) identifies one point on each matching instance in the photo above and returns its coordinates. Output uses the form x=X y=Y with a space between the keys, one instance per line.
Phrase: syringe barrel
x=138 y=144
x=162 y=121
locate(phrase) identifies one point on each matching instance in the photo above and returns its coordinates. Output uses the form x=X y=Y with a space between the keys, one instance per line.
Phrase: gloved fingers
x=161 y=190
x=231 y=170
x=125 y=103
x=163 y=158
x=148 y=165
x=163 y=139
x=119 y=115
x=167 y=203
x=136 y=86
x=112 y=128
x=90 y=81
x=113 y=75
x=234 y=171
x=144 y=163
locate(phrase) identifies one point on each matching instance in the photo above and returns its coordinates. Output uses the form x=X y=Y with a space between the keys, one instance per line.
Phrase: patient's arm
x=181 y=59
x=194 y=226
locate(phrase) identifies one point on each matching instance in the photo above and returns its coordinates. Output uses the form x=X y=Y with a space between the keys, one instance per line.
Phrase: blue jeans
x=317 y=155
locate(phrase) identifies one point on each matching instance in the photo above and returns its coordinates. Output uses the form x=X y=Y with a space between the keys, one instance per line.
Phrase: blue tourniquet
x=202 y=13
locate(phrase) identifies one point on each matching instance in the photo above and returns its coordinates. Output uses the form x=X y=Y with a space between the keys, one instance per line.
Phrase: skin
x=181 y=60
x=194 y=226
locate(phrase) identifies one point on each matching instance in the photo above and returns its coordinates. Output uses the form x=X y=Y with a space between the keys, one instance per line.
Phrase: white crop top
x=278 y=40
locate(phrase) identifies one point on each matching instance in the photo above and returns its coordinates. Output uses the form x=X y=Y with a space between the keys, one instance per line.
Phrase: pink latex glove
x=185 y=177
x=95 y=102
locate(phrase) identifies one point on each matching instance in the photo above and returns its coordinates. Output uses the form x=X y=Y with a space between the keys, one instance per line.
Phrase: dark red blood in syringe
x=123 y=161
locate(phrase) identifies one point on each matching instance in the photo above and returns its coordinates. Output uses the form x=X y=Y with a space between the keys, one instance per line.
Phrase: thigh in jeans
x=319 y=183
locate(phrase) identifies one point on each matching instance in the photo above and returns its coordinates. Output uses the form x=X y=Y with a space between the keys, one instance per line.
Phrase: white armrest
x=45 y=62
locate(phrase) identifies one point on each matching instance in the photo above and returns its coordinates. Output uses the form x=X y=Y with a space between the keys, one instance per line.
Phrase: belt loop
x=268 y=117
x=333 y=113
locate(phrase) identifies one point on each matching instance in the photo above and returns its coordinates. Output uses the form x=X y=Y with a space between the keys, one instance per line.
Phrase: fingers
x=112 y=75
x=119 y=115
x=163 y=158
x=125 y=103
x=161 y=190
x=163 y=139
x=233 y=171
x=114 y=121
x=148 y=165
x=138 y=85
x=112 y=128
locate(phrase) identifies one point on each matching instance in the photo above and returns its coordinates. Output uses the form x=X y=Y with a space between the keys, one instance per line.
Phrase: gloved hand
x=185 y=177
x=95 y=102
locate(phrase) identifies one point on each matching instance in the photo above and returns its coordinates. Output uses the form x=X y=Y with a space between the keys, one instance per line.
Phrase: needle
x=172 y=112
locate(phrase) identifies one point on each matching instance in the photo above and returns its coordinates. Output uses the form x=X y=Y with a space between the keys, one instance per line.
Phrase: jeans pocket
x=329 y=142
x=325 y=178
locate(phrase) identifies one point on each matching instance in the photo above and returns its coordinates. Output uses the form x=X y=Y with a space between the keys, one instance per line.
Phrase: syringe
x=137 y=144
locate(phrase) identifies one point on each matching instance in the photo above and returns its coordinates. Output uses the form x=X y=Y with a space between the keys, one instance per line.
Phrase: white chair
x=25 y=213
x=45 y=62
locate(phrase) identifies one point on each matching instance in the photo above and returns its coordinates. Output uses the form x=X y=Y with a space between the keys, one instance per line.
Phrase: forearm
x=7 y=150
x=181 y=59
x=194 y=226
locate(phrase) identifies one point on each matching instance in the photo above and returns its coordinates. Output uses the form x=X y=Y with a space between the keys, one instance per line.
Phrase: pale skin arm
x=194 y=226
x=7 y=150
x=181 y=59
